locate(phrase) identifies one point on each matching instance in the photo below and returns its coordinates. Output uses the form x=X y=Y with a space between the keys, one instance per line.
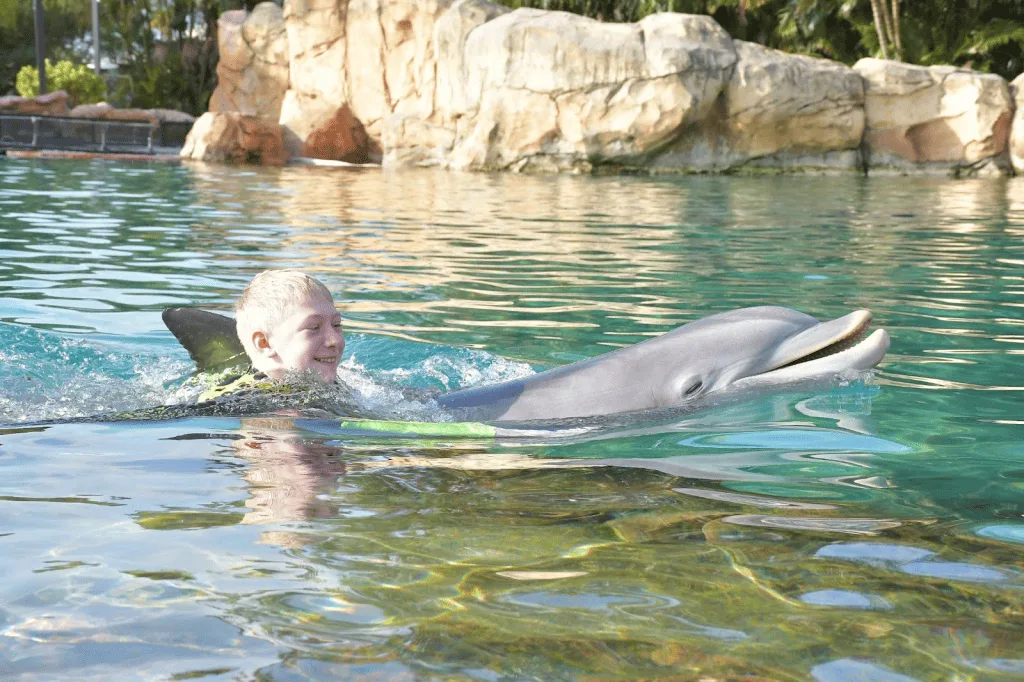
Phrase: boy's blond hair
x=269 y=298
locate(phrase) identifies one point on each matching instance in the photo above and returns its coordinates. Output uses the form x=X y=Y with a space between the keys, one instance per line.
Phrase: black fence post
x=40 y=45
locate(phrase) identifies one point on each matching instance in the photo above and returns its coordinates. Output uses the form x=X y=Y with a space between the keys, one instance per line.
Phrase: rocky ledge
x=56 y=104
x=472 y=85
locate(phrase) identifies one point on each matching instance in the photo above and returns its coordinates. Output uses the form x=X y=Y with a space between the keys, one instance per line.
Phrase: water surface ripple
x=863 y=531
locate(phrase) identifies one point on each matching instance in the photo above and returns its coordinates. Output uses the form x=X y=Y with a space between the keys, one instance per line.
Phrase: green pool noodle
x=442 y=429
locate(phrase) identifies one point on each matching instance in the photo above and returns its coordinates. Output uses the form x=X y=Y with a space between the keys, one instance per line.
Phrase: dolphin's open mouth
x=828 y=348
x=848 y=339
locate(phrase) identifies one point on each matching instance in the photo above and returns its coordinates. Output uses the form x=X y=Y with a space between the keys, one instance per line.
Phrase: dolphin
x=738 y=350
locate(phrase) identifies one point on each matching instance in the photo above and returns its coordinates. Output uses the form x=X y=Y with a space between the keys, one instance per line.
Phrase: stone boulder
x=253 y=71
x=428 y=141
x=777 y=110
x=50 y=104
x=938 y=118
x=237 y=138
x=170 y=115
x=341 y=138
x=535 y=90
x=554 y=91
x=316 y=49
x=451 y=31
x=376 y=56
x=106 y=111
x=1017 y=129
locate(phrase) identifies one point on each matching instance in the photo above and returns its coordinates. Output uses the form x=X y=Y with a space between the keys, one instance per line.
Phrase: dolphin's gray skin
x=735 y=350
x=744 y=348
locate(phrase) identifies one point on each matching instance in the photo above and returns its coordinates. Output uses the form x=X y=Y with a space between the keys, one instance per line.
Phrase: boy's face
x=310 y=337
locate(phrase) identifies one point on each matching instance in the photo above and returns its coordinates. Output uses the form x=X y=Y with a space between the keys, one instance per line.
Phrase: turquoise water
x=870 y=530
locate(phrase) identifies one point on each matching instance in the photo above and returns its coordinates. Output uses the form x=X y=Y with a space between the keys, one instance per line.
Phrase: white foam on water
x=78 y=394
x=393 y=393
x=46 y=376
x=50 y=376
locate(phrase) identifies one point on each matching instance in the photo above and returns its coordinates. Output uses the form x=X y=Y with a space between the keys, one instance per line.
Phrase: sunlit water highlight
x=862 y=530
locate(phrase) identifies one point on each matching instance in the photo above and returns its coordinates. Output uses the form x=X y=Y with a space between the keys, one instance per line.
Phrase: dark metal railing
x=90 y=134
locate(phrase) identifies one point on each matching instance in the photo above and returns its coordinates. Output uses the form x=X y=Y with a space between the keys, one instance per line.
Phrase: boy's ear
x=262 y=345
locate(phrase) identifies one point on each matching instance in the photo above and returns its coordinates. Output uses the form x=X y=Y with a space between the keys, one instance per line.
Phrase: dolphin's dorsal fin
x=209 y=338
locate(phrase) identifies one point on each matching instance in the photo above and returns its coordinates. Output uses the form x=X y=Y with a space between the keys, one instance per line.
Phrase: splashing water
x=47 y=375
x=53 y=376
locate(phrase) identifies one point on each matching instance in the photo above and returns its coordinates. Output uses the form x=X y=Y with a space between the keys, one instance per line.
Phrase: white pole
x=96 y=34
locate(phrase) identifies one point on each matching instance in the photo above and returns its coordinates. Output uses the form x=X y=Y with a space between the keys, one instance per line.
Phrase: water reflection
x=494 y=559
x=287 y=476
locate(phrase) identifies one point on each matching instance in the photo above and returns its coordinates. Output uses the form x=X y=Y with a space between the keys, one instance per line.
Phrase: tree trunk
x=876 y=11
x=896 y=29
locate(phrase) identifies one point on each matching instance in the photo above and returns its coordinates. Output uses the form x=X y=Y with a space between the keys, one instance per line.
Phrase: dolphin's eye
x=693 y=388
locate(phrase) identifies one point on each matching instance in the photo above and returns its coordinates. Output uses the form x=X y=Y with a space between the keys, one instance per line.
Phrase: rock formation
x=556 y=91
x=777 y=111
x=468 y=84
x=50 y=104
x=375 y=56
x=237 y=138
x=253 y=71
x=937 y=118
x=108 y=112
x=341 y=138
x=1017 y=129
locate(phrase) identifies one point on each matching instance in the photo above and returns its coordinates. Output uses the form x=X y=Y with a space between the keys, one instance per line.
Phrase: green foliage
x=987 y=35
x=64 y=23
x=27 y=81
x=165 y=61
x=166 y=50
x=184 y=79
x=82 y=85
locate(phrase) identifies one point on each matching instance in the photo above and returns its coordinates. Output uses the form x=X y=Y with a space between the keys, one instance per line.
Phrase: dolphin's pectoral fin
x=209 y=338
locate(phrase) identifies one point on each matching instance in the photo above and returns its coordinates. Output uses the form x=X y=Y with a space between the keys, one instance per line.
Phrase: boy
x=287 y=322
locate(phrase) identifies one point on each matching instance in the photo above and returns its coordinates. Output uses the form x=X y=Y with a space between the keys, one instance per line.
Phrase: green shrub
x=82 y=85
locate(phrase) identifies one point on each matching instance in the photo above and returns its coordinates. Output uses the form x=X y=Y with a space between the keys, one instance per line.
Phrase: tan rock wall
x=387 y=67
x=235 y=138
x=777 y=110
x=535 y=90
x=253 y=72
x=1016 y=143
x=554 y=91
x=938 y=118
x=341 y=138
x=106 y=111
x=468 y=84
x=50 y=104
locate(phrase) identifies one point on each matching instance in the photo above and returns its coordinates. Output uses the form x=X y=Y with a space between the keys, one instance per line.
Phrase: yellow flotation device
x=250 y=380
